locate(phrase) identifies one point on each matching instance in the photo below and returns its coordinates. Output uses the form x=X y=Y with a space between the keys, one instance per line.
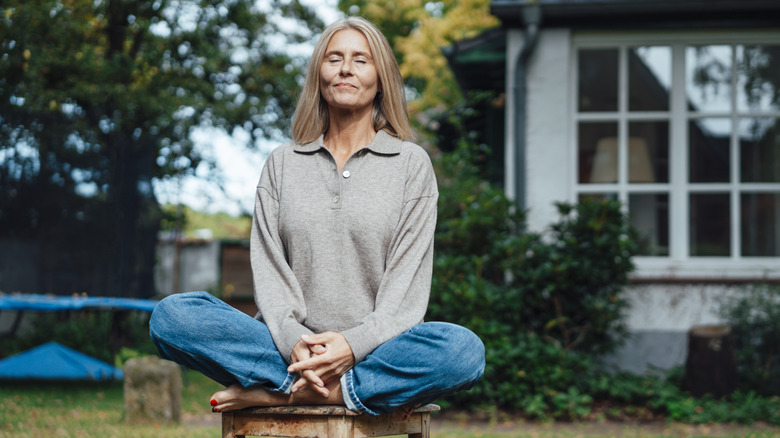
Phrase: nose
x=345 y=68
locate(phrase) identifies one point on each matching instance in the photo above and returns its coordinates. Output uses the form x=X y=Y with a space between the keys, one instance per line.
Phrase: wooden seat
x=323 y=421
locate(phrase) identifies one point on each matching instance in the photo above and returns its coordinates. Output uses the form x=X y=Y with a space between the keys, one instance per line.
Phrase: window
x=687 y=135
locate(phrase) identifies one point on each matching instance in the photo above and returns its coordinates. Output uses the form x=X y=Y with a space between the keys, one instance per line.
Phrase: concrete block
x=152 y=391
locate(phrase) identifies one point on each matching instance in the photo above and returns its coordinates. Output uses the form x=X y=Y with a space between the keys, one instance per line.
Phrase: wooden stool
x=323 y=421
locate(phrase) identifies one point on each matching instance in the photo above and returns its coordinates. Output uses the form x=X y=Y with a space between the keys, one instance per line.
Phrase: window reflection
x=598 y=80
x=708 y=78
x=758 y=78
x=649 y=214
x=760 y=224
x=649 y=78
x=597 y=153
x=708 y=150
x=710 y=224
x=759 y=150
x=648 y=152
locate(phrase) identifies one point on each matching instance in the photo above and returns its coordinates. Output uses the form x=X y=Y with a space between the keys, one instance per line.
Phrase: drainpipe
x=531 y=17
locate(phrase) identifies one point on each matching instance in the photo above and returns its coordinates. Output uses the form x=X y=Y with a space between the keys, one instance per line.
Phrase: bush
x=88 y=332
x=543 y=304
x=755 y=319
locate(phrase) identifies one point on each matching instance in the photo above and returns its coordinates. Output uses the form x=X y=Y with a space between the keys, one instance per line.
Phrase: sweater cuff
x=291 y=335
x=359 y=341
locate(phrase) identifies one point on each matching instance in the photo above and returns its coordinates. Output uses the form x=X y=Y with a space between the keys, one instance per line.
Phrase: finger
x=311 y=363
x=317 y=338
x=317 y=349
x=312 y=377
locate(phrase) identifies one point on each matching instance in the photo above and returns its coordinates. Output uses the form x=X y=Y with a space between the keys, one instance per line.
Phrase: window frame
x=679 y=265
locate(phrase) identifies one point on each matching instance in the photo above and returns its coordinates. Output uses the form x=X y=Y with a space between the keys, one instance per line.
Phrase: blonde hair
x=311 y=113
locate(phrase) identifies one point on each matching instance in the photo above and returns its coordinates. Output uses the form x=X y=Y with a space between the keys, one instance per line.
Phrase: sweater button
x=346 y=174
x=336 y=199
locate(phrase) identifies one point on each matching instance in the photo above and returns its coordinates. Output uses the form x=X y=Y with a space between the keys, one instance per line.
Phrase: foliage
x=94 y=333
x=663 y=395
x=754 y=315
x=98 y=98
x=418 y=31
x=543 y=303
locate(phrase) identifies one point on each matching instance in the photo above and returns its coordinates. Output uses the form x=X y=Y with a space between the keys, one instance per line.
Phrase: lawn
x=67 y=409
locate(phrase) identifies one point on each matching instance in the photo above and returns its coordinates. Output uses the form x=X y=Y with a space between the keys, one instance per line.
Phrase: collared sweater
x=349 y=251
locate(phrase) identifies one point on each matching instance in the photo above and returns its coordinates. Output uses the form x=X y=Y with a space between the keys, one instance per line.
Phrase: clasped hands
x=319 y=359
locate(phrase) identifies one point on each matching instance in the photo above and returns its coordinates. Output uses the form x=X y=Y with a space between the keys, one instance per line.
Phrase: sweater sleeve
x=277 y=292
x=402 y=297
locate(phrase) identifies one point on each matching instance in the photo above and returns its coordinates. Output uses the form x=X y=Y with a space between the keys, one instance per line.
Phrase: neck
x=347 y=133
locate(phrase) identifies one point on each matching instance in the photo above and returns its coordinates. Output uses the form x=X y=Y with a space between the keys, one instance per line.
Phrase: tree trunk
x=711 y=367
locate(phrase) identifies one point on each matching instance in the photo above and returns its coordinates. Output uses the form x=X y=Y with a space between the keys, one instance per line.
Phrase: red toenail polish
x=213 y=402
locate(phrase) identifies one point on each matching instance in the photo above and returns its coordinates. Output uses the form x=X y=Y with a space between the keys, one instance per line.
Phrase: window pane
x=708 y=78
x=597 y=146
x=708 y=153
x=710 y=224
x=598 y=80
x=758 y=78
x=648 y=152
x=649 y=214
x=649 y=78
x=602 y=196
x=761 y=224
x=759 y=150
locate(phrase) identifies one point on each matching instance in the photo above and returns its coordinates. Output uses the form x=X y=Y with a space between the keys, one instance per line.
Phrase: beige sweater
x=350 y=252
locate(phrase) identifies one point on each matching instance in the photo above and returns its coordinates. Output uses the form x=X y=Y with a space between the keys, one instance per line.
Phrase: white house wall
x=659 y=315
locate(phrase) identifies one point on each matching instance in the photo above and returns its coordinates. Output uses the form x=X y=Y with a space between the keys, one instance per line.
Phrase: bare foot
x=237 y=397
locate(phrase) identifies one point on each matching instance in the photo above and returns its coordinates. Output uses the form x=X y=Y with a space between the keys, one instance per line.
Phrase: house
x=671 y=107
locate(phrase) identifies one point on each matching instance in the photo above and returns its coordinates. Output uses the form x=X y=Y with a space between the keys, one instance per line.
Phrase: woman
x=341 y=250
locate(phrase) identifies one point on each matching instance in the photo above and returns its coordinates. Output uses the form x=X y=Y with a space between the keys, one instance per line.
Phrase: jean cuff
x=351 y=399
x=286 y=386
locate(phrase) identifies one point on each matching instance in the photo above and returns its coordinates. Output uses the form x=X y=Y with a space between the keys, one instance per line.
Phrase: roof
x=52 y=361
x=642 y=13
x=51 y=303
x=478 y=63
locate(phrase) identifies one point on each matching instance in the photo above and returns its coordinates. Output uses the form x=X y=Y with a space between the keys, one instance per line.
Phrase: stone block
x=152 y=391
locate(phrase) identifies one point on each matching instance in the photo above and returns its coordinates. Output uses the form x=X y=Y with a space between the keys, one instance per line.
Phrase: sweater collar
x=383 y=144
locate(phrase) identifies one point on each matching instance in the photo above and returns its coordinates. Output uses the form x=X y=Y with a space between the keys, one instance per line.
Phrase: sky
x=230 y=187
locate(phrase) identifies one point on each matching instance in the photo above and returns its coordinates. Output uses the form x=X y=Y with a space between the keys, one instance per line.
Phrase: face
x=348 y=77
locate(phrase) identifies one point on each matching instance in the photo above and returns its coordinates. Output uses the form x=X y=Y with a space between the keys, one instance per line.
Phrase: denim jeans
x=426 y=362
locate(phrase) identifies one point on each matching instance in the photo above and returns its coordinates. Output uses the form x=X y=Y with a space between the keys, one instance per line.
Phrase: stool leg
x=425 y=426
x=228 y=427
x=341 y=427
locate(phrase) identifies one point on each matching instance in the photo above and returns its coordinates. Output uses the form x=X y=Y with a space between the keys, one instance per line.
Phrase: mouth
x=344 y=85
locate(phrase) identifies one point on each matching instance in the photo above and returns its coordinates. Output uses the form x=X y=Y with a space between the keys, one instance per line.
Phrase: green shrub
x=86 y=331
x=754 y=315
x=543 y=304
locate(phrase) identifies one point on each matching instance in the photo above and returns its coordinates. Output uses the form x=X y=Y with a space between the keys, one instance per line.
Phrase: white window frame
x=678 y=265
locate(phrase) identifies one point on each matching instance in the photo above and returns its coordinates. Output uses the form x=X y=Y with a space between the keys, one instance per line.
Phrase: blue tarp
x=52 y=303
x=53 y=361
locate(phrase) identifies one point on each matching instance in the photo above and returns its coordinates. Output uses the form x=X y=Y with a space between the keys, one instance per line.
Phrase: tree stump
x=711 y=366
x=152 y=391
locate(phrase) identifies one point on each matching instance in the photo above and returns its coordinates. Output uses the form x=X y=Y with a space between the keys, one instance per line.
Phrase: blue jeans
x=426 y=362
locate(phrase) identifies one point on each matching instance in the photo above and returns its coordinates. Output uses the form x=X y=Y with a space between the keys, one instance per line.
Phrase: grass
x=78 y=409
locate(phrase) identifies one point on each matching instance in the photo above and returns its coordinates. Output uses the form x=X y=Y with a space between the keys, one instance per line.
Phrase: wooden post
x=711 y=366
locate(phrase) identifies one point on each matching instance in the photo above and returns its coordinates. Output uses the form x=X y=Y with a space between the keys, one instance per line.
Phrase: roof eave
x=643 y=13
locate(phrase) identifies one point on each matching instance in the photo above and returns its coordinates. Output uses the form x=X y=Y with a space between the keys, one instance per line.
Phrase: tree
x=418 y=30
x=98 y=98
